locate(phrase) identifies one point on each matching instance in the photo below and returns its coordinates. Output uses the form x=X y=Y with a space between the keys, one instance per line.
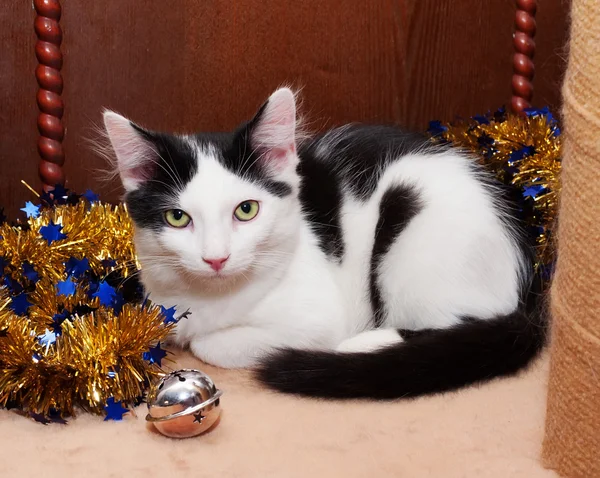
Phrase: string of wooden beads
x=50 y=103
x=523 y=67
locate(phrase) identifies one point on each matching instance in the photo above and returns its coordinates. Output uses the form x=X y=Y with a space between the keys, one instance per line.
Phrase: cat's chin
x=221 y=277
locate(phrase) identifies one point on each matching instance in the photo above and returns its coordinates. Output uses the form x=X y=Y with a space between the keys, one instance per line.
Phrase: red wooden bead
x=48 y=54
x=523 y=65
x=51 y=150
x=530 y=6
x=523 y=43
x=50 y=103
x=51 y=174
x=522 y=87
x=48 y=29
x=525 y=22
x=48 y=8
x=518 y=104
x=50 y=127
x=49 y=78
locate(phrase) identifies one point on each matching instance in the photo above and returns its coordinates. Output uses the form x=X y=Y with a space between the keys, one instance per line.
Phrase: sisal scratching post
x=572 y=441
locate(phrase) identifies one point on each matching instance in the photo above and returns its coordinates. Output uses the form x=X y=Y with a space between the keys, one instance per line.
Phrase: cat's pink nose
x=216 y=264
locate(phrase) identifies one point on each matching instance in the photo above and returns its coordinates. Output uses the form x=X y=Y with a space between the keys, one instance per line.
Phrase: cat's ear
x=272 y=132
x=135 y=153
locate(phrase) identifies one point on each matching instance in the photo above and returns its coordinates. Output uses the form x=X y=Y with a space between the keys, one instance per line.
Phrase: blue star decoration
x=481 y=119
x=91 y=196
x=47 y=338
x=521 y=153
x=77 y=267
x=52 y=232
x=45 y=197
x=19 y=304
x=436 y=128
x=31 y=210
x=30 y=273
x=60 y=194
x=56 y=325
x=12 y=285
x=500 y=115
x=66 y=288
x=106 y=293
x=155 y=355
x=485 y=140
x=533 y=191
x=169 y=315
x=108 y=263
x=114 y=410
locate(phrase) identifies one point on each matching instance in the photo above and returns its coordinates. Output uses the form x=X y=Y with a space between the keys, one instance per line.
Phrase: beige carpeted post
x=572 y=441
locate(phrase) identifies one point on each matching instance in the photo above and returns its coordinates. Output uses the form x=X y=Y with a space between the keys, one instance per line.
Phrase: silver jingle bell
x=183 y=404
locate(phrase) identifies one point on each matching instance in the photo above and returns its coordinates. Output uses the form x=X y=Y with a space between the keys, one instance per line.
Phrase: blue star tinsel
x=31 y=210
x=114 y=410
x=91 y=196
x=52 y=232
x=533 y=191
x=12 y=285
x=155 y=355
x=169 y=314
x=30 y=273
x=106 y=293
x=77 y=267
x=19 y=304
x=47 y=338
x=65 y=287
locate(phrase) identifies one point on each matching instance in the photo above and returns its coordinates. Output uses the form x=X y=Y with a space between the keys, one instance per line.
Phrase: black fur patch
x=238 y=154
x=358 y=154
x=428 y=362
x=398 y=206
x=175 y=167
x=321 y=200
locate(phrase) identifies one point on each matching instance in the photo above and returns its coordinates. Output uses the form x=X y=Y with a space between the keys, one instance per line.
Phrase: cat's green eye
x=246 y=211
x=177 y=218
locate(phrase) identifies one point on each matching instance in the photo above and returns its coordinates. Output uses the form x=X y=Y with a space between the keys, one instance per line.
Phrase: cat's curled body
x=376 y=265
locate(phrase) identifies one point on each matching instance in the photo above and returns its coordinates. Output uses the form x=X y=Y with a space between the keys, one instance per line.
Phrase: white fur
x=455 y=258
x=370 y=341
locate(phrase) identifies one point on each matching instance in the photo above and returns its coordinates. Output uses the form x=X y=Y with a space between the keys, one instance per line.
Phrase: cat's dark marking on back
x=358 y=154
x=398 y=206
x=350 y=158
x=321 y=199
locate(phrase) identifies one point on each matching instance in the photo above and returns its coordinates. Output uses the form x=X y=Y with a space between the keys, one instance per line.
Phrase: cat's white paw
x=370 y=341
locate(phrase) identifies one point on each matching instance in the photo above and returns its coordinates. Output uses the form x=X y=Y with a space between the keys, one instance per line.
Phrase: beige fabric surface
x=572 y=443
x=494 y=430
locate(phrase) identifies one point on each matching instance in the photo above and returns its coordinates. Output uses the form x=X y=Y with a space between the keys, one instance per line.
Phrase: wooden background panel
x=125 y=58
x=458 y=59
x=341 y=53
x=18 y=110
x=208 y=64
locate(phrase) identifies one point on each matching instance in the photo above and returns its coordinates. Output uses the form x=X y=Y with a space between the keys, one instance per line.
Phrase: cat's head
x=216 y=205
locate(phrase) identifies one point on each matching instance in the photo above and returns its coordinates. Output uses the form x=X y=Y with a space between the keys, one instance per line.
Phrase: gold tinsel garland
x=74 y=348
x=525 y=153
x=68 y=338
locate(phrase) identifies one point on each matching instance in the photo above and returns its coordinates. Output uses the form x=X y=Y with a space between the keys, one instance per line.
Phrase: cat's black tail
x=427 y=362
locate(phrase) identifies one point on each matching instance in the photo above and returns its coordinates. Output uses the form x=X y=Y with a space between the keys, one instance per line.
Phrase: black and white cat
x=364 y=262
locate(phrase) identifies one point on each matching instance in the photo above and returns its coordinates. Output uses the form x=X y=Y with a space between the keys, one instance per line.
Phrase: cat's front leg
x=236 y=347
